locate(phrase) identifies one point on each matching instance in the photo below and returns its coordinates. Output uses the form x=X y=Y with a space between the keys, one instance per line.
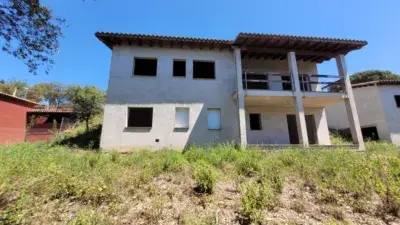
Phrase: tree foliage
x=87 y=101
x=30 y=32
x=373 y=75
x=14 y=85
x=53 y=93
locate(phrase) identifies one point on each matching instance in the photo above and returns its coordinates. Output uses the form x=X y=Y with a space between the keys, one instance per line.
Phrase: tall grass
x=32 y=175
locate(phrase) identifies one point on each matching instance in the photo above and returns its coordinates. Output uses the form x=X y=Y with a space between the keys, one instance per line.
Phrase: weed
x=90 y=217
x=205 y=176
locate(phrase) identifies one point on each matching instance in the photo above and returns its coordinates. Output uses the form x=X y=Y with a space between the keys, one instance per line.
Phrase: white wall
x=370 y=112
x=392 y=113
x=164 y=93
x=275 y=128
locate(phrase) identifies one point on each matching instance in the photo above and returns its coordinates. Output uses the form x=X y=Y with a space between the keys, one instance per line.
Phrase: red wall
x=12 y=119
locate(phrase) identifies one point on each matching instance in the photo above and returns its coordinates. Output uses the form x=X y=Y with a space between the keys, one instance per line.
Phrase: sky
x=84 y=60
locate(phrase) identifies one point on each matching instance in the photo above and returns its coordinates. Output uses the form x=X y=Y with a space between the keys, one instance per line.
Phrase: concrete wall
x=392 y=113
x=370 y=112
x=275 y=128
x=165 y=92
x=279 y=66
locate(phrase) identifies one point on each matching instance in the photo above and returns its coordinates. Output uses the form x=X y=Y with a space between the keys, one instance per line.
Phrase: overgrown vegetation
x=48 y=183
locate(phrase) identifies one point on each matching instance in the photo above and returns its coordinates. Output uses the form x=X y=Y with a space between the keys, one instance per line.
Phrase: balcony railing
x=283 y=82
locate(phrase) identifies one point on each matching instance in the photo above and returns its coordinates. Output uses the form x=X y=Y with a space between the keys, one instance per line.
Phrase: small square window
x=397 y=99
x=255 y=121
x=203 y=69
x=214 y=119
x=140 y=117
x=179 y=68
x=145 y=67
x=181 y=117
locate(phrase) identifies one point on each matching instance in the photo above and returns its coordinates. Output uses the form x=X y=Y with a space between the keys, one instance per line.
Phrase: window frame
x=173 y=68
x=205 y=61
x=208 y=118
x=144 y=58
x=397 y=100
x=128 y=115
x=259 y=122
x=187 y=110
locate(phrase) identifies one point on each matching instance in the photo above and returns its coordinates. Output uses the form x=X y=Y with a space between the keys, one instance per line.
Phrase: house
x=378 y=106
x=48 y=120
x=13 y=118
x=260 y=89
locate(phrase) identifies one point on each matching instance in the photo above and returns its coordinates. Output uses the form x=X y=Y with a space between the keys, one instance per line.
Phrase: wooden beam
x=285 y=51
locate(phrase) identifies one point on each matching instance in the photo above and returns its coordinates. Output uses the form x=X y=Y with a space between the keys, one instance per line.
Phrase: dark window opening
x=204 y=70
x=304 y=83
x=179 y=68
x=370 y=133
x=255 y=81
x=397 y=99
x=145 y=67
x=255 y=121
x=140 y=117
x=285 y=85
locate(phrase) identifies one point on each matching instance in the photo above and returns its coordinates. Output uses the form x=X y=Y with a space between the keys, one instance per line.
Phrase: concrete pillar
x=298 y=100
x=350 y=103
x=240 y=99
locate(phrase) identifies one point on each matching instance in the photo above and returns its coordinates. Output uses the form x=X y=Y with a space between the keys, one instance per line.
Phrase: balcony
x=278 y=89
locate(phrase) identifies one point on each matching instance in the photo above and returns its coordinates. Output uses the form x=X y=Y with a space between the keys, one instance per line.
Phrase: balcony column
x=350 y=104
x=298 y=100
x=240 y=99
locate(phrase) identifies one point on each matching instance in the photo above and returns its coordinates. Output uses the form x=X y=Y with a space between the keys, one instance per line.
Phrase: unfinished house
x=378 y=105
x=258 y=89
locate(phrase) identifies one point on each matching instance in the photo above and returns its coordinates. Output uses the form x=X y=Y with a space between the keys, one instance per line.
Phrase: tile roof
x=377 y=83
x=18 y=98
x=51 y=110
x=257 y=45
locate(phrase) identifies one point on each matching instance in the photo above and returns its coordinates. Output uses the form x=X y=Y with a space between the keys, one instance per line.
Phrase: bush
x=255 y=197
x=205 y=176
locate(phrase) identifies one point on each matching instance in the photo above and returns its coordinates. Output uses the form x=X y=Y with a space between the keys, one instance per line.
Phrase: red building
x=13 y=118
x=49 y=120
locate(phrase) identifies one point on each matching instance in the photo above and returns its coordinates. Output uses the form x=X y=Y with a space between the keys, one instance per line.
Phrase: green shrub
x=90 y=217
x=255 y=197
x=248 y=165
x=205 y=176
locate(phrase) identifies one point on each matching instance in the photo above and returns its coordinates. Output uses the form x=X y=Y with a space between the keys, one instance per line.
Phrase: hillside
x=53 y=184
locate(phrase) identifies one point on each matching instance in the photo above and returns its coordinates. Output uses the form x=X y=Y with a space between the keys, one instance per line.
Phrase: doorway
x=311 y=129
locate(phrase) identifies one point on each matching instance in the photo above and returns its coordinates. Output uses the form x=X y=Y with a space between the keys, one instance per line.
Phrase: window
x=397 y=99
x=305 y=84
x=204 y=70
x=181 y=117
x=286 y=85
x=179 y=68
x=214 y=119
x=145 y=67
x=255 y=121
x=140 y=117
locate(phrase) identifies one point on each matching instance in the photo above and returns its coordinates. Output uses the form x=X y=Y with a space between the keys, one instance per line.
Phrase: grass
x=48 y=183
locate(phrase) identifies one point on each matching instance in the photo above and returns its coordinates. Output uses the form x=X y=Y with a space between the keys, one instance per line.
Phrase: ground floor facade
x=181 y=125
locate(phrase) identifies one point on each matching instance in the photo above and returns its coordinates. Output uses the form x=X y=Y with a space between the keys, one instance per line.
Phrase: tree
x=373 y=75
x=53 y=93
x=29 y=32
x=87 y=102
x=10 y=86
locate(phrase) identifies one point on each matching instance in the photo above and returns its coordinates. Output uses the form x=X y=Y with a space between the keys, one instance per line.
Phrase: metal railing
x=308 y=82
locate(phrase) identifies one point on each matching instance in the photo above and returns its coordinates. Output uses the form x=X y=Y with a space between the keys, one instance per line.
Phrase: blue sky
x=86 y=61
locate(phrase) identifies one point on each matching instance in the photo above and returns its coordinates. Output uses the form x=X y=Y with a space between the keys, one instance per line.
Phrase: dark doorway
x=311 y=129
x=370 y=133
x=292 y=127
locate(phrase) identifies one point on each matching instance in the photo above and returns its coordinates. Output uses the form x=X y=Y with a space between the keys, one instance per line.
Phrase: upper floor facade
x=161 y=68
